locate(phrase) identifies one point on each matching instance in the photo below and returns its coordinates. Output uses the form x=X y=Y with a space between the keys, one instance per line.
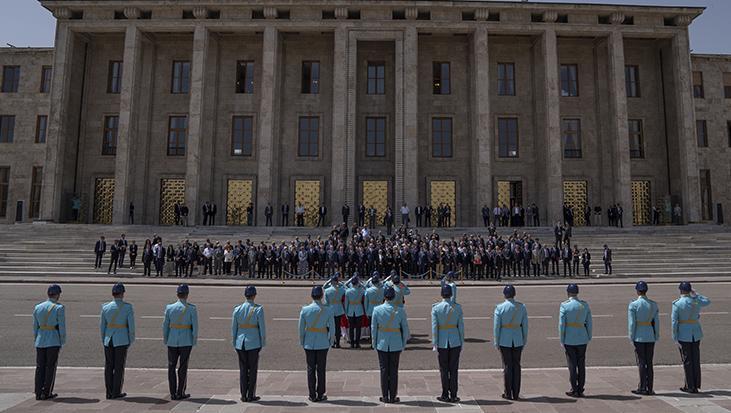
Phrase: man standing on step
x=687 y=334
x=117 y=326
x=49 y=329
x=316 y=334
x=574 y=331
x=180 y=333
x=643 y=324
x=249 y=337
x=99 y=249
x=389 y=334
x=447 y=336
x=607 y=258
x=510 y=332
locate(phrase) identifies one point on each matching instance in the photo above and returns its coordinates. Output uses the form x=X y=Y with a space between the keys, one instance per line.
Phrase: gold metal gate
x=172 y=191
x=307 y=194
x=239 y=195
x=575 y=195
x=641 y=202
x=509 y=193
x=103 y=200
x=443 y=192
x=375 y=194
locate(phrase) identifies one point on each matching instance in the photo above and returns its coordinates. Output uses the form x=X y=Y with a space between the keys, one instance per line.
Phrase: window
x=698 y=91
x=11 y=78
x=441 y=137
x=727 y=85
x=41 y=128
x=4 y=190
x=177 y=133
x=309 y=135
x=311 y=77
x=701 y=131
x=376 y=136
x=636 y=139
x=7 y=128
x=571 y=131
x=569 y=80
x=507 y=132
x=440 y=78
x=242 y=136
x=35 y=192
x=46 y=79
x=632 y=81
x=376 y=78
x=245 y=77
x=109 y=137
x=114 y=78
x=181 y=77
x=506 y=79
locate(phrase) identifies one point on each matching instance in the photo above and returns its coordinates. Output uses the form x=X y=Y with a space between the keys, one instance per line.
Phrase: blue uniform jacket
x=401 y=291
x=180 y=326
x=453 y=286
x=574 y=322
x=334 y=298
x=389 y=328
x=686 y=318
x=373 y=298
x=354 y=301
x=447 y=324
x=510 y=324
x=49 y=324
x=117 y=323
x=643 y=320
x=317 y=326
x=247 y=326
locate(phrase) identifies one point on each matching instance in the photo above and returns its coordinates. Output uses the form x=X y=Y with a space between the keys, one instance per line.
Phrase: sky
x=25 y=23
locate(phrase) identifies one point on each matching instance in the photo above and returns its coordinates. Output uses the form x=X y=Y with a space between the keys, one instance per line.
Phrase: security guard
x=401 y=289
x=249 y=337
x=389 y=332
x=180 y=333
x=354 y=310
x=687 y=333
x=510 y=333
x=334 y=293
x=447 y=336
x=574 y=330
x=317 y=333
x=49 y=329
x=448 y=280
x=117 y=325
x=643 y=324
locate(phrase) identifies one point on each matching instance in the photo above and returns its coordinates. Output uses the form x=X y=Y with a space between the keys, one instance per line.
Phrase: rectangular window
x=109 y=137
x=46 y=79
x=11 y=78
x=7 y=128
x=632 y=81
x=4 y=190
x=177 y=134
x=308 y=136
x=569 y=80
x=571 y=131
x=506 y=79
x=245 y=77
x=114 y=78
x=181 y=77
x=441 y=137
x=376 y=136
x=311 y=77
x=376 y=78
x=35 y=192
x=507 y=132
x=242 y=136
x=727 y=85
x=441 y=78
x=701 y=131
x=636 y=139
x=698 y=90
x=41 y=128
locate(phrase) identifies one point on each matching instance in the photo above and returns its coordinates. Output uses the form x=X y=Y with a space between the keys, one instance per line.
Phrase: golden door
x=239 y=195
x=575 y=195
x=444 y=192
x=307 y=193
x=641 y=202
x=103 y=200
x=375 y=194
x=172 y=191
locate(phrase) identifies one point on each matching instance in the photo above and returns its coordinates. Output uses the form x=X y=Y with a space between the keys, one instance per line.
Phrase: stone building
x=468 y=104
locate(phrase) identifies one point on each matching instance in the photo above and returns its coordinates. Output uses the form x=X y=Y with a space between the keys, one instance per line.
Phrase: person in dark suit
x=345 y=212
x=388 y=220
x=285 y=215
x=176 y=210
x=132 y=255
x=205 y=211
x=115 y=257
x=212 y=220
x=418 y=211
x=427 y=216
x=587 y=215
x=250 y=214
x=321 y=212
x=485 y=216
x=620 y=213
x=122 y=250
x=99 y=249
x=361 y=215
x=131 y=213
x=607 y=257
x=268 y=212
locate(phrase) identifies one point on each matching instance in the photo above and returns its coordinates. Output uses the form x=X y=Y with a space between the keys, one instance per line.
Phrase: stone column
x=553 y=179
x=407 y=156
x=343 y=187
x=482 y=152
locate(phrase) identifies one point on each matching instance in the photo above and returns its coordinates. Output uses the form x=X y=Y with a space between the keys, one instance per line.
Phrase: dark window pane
x=636 y=144
x=109 y=138
x=376 y=136
x=245 y=77
x=177 y=134
x=35 y=192
x=569 y=80
x=376 y=78
x=46 y=79
x=4 y=190
x=308 y=136
x=181 y=77
x=506 y=79
x=701 y=133
x=440 y=78
x=11 y=79
x=632 y=81
x=442 y=137
x=114 y=78
x=41 y=128
x=241 y=136
x=7 y=129
x=508 y=138
x=571 y=138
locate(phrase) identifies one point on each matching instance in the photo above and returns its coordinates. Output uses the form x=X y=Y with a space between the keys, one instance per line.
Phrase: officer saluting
x=687 y=333
x=317 y=333
x=373 y=293
x=389 y=332
x=574 y=330
x=249 y=337
x=117 y=327
x=334 y=292
x=448 y=280
x=510 y=333
x=643 y=324
x=401 y=289
x=49 y=329
x=447 y=332
x=354 y=309
x=180 y=333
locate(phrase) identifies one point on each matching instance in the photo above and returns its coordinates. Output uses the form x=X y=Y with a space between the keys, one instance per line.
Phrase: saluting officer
x=49 y=329
x=448 y=280
x=389 y=332
x=401 y=289
x=643 y=324
x=354 y=310
x=249 y=337
x=316 y=332
x=373 y=294
x=180 y=333
x=574 y=330
x=117 y=325
x=334 y=293
x=687 y=333
x=510 y=331
x=447 y=336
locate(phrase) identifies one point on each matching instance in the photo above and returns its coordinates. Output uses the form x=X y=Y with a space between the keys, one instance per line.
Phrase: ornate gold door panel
x=575 y=195
x=641 y=202
x=509 y=193
x=239 y=196
x=375 y=194
x=443 y=192
x=307 y=193
x=172 y=191
x=103 y=200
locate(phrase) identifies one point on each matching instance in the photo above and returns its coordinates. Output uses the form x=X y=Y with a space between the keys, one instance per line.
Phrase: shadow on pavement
x=75 y=400
x=692 y=395
x=425 y=403
x=350 y=403
x=417 y=348
x=612 y=397
x=209 y=401
x=719 y=392
x=485 y=402
x=547 y=399
x=476 y=340
x=145 y=400
x=280 y=403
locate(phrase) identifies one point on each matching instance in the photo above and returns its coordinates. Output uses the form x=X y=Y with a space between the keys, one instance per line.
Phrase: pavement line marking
x=602 y=315
x=540 y=316
x=89 y=316
x=714 y=313
x=160 y=339
x=477 y=318
x=594 y=337
x=153 y=316
x=219 y=318
x=22 y=315
x=281 y=319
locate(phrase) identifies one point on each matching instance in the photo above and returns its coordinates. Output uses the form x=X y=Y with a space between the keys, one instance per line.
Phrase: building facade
x=467 y=104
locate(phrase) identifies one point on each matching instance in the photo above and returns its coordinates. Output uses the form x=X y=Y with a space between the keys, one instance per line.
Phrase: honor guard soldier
x=510 y=333
x=448 y=280
x=447 y=336
x=389 y=332
x=249 y=337
x=574 y=330
x=373 y=294
x=354 y=310
x=179 y=334
x=643 y=324
x=401 y=289
x=687 y=333
x=334 y=293
x=117 y=327
x=49 y=329
x=317 y=333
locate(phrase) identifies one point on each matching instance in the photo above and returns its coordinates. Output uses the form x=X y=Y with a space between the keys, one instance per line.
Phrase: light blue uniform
x=334 y=298
x=247 y=326
x=316 y=326
x=574 y=322
x=373 y=298
x=180 y=326
x=354 y=301
x=643 y=320
x=389 y=328
x=453 y=286
x=401 y=290
x=117 y=324
x=49 y=324
x=686 y=317
x=510 y=324
x=447 y=324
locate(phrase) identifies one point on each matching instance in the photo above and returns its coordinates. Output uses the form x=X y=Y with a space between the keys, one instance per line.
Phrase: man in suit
x=268 y=212
x=620 y=213
x=607 y=258
x=372 y=217
x=122 y=249
x=117 y=327
x=388 y=220
x=345 y=212
x=427 y=215
x=205 y=210
x=316 y=334
x=49 y=330
x=418 y=211
x=99 y=249
x=574 y=331
x=321 y=212
x=361 y=215
x=249 y=337
x=687 y=334
x=389 y=334
x=285 y=215
x=214 y=210
x=643 y=325
x=180 y=333
x=115 y=257
x=510 y=332
x=485 y=216
x=447 y=336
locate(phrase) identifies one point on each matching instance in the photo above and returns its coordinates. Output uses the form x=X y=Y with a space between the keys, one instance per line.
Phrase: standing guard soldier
x=643 y=324
x=49 y=329
x=373 y=294
x=117 y=327
x=249 y=337
x=354 y=310
x=448 y=281
x=447 y=336
x=316 y=333
x=574 y=331
x=334 y=293
x=180 y=333
x=687 y=333
x=389 y=332
x=510 y=331
x=401 y=289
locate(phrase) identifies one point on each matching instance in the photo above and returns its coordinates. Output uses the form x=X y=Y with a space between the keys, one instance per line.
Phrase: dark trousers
x=607 y=267
x=98 y=260
x=177 y=384
x=46 y=361
x=354 y=324
x=576 y=359
x=159 y=266
x=248 y=368
x=690 y=353
x=113 y=262
x=388 y=362
x=316 y=365
x=285 y=220
x=114 y=360
x=645 y=352
x=448 y=370
x=337 y=330
x=269 y=221
x=511 y=370
x=121 y=259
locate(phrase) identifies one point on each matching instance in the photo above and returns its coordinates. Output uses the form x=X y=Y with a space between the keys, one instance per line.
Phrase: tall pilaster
x=482 y=148
x=407 y=154
x=340 y=192
x=553 y=179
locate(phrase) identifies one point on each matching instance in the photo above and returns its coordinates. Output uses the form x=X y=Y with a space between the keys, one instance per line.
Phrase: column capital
x=62 y=13
x=616 y=18
x=200 y=12
x=341 y=13
x=683 y=20
x=411 y=13
x=550 y=16
x=482 y=14
x=270 y=12
x=131 y=12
